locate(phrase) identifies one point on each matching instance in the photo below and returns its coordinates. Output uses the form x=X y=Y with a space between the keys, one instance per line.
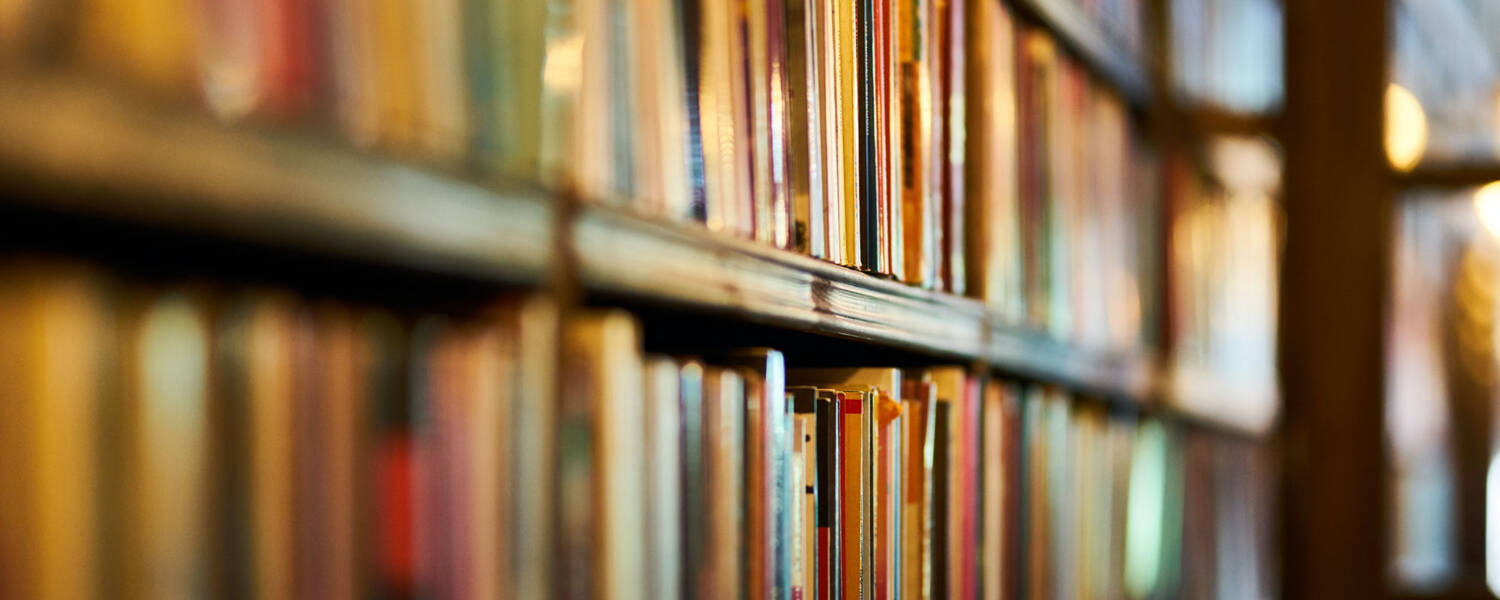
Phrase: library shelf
x=1123 y=69
x=79 y=150
x=624 y=254
x=1448 y=175
x=621 y=253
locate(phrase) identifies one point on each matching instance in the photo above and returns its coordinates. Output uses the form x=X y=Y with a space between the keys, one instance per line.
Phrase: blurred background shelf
x=1121 y=67
x=78 y=149
x=1204 y=398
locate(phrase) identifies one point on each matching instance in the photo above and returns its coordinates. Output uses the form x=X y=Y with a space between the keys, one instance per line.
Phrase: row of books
x=194 y=439
x=1063 y=214
x=1122 y=22
x=1226 y=248
x=936 y=142
x=1228 y=53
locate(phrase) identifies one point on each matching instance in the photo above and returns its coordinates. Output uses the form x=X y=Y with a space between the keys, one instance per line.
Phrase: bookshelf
x=286 y=190
x=1087 y=380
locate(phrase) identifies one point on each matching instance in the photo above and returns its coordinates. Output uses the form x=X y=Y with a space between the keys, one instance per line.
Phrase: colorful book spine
x=663 y=397
x=830 y=417
x=724 y=437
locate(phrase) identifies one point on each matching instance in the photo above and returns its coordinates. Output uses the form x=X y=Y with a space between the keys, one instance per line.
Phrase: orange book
x=915 y=527
x=887 y=505
x=723 y=457
x=54 y=320
x=855 y=512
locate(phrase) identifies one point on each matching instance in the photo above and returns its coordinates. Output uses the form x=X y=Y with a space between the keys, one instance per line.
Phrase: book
x=663 y=400
x=601 y=431
x=918 y=397
x=804 y=404
x=856 y=511
x=258 y=374
x=57 y=321
x=163 y=455
x=694 y=524
x=767 y=466
x=887 y=482
x=805 y=160
x=992 y=215
x=830 y=561
x=994 y=554
x=724 y=437
x=534 y=446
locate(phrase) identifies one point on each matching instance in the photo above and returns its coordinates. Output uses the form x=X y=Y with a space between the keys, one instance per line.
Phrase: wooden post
x=1334 y=285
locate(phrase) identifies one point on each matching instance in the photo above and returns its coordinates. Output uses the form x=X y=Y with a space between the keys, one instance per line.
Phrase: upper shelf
x=1120 y=67
x=70 y=147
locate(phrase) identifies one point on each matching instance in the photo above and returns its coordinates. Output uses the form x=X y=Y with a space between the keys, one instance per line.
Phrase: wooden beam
x=1334 y=282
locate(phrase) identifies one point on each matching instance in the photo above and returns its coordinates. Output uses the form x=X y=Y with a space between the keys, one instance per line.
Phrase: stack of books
x=200 y=438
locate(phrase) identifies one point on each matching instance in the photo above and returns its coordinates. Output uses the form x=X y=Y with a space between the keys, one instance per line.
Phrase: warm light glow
x=1487 y=206
x=1405 y=128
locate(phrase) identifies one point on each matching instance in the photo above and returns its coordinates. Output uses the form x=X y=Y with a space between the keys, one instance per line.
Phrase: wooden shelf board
x=621 y=253
x=625 y=254
x=77 y=148
x=1455 y=175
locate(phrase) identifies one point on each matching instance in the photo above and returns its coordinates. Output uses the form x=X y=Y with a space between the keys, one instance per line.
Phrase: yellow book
x=849 y=132
x=55 y=326
x=399 y=72
x=259 y=336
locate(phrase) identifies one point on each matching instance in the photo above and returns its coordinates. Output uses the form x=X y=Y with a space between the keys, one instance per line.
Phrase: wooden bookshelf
x=175 y=170
x=624 y=254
